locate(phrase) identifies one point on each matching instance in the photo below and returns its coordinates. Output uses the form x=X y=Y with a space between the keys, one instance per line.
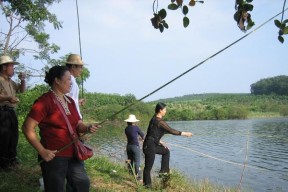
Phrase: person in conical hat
x=75 y=66
x=132 y=132
x=9 y=133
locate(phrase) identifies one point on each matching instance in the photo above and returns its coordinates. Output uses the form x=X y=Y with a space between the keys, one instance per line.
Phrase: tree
x=242 y=15
x=276 y=85
x=25 y=22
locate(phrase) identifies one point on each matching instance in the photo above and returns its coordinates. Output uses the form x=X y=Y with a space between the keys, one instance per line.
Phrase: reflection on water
x=218 y=150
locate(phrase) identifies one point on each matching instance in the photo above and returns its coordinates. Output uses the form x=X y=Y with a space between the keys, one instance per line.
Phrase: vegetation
x=276 y=85
x=225 y=106
x=242 y=16
x=25 y=21
x=102 y=107
x=105 y=175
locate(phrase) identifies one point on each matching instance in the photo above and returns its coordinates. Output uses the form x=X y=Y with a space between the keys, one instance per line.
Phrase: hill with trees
x=275 y=85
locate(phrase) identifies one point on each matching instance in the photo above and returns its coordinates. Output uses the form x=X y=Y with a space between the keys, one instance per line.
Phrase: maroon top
x=54 y=132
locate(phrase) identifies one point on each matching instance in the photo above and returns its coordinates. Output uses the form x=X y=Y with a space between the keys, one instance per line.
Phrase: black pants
x=9 y=135
x=60 y=168
x=150 y=149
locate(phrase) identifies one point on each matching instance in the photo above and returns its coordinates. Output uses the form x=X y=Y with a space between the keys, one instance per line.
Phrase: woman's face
x=64 y=84
x=163 y=111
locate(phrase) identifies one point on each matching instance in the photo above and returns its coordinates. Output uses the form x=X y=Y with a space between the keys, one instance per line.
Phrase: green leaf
x=250 y=24
x=173 y=6
x=161 y=28
x=186 y=22
x=165 y=25
x=281 y=39
x=237 y=16
x=162 y=13
x=285 y=30
x=277 y=23
x=248 y=7
x=185 y=10
x=249 y=1
x=285 y=21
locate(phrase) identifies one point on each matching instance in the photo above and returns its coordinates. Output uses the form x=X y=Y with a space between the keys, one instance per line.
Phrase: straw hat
x=132 y=119
x=74 y=59
x=6 y=59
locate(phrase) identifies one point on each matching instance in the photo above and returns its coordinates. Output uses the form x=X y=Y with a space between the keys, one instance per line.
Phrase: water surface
x=219 y=150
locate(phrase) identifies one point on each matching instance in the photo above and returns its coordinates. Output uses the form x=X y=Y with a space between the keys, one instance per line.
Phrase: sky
x=126 y=55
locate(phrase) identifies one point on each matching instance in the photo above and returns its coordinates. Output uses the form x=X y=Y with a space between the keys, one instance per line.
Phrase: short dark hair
x=1 y=67
x=55 y=72
x=159 y=106
x=69 y=65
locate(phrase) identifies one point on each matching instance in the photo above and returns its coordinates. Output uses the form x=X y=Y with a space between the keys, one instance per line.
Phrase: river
x=249 y=154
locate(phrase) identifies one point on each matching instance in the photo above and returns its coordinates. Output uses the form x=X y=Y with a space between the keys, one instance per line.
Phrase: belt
x=6 y=108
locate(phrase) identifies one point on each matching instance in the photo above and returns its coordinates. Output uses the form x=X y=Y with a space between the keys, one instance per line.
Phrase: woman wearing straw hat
x=132 y=132
x=152 y=144
x=75 y=66
x=8 y=120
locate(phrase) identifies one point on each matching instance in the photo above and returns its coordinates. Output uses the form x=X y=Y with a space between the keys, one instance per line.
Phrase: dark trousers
x=9 y=135
x=55 y=172
x=133 y=153
x=150 y=149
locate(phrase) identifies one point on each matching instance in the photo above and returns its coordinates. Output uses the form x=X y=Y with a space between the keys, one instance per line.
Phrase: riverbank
x=105 y=175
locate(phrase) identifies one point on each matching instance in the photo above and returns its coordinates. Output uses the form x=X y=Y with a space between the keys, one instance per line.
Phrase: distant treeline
x=226 y=106
x=276 y=85
x=100 y=106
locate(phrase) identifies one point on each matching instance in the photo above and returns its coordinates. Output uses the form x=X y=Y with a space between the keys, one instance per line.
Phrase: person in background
x=152 y=144
x=9 y=133
x=75 y=66
x=57 y=165
x=132 y=132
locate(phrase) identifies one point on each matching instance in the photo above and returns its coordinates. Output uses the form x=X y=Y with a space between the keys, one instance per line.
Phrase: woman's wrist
x=88 y=127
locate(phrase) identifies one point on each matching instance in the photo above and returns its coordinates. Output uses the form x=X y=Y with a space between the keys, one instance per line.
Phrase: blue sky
x=125 y=54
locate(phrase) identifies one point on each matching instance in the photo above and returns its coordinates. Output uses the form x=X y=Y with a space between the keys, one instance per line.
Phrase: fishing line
x=184 y=73
x=245 y=162
x=216 y=158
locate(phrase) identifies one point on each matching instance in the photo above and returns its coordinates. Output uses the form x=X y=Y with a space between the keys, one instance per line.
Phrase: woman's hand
x=187 y=134
x=163 y=144
x=93 y=128
x=82 y=102
x=48 y=155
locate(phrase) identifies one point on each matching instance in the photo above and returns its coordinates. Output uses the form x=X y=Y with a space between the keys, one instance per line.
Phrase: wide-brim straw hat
x=74 y=59
x=6 y=59
x=132 y=119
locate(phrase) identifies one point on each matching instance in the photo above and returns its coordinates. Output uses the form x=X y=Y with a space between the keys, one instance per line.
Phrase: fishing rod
x=174 y=79
x=80 y=48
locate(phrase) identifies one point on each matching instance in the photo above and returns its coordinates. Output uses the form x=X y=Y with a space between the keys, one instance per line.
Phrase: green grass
x=105 y=175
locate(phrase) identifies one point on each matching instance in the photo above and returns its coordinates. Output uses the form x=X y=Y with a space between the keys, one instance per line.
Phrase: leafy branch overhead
x=242 y=15
x=158 y=20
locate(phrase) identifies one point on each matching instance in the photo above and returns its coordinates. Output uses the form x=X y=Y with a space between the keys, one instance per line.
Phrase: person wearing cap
x=75 y=66
x=132 y=132
x=153 y=145
x=9 y=133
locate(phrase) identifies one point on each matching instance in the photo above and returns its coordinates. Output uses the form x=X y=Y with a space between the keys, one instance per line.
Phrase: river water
x=251 y=154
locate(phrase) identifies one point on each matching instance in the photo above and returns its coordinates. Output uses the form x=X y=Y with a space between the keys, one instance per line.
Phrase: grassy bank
x=105 y=175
